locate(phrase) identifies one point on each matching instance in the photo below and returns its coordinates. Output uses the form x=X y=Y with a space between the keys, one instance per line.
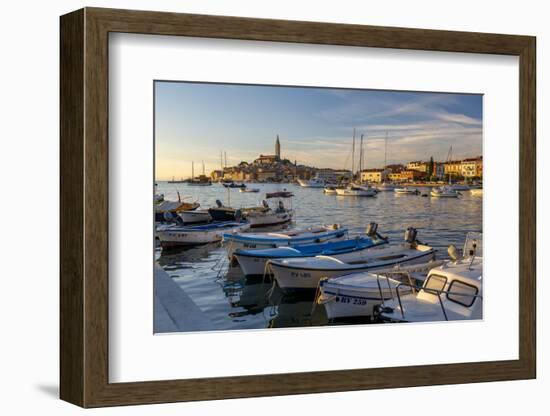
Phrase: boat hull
x=269 y=218
x=182 y=236
x=356 y=192
x=192 y=217
x=294 y=278
x=343 y=301
x=251 y=265
x=235 y=242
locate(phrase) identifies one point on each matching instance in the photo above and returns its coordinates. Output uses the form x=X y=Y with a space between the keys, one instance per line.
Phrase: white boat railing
x=415 y=289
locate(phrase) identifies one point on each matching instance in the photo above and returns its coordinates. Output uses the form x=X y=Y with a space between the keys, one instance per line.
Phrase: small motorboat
x=306 y=273
x=312 y=183
x=253 y=262
x=279 y=194
x=356 y=294
x=252 y=190
x=223 y=213
x=476 y=192
x=444 y=192
x=406 y=191
x=197 y=216
x=268 y=216
x=168 y=209
x=329 y=190
x=194 y=235
x=234 y=185
x=310 y=235
x=354 y=190
x=452 y=291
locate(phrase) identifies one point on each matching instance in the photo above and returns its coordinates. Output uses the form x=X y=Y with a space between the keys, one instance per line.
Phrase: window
x=435 y=283
x=462 y=293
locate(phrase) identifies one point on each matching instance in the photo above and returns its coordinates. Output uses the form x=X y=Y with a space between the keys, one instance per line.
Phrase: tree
x=430 y=171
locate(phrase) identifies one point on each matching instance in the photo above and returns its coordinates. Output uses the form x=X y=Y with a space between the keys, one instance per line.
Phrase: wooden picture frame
x=84 y=207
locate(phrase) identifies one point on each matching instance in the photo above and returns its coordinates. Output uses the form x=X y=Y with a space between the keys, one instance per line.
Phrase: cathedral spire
x=278 y=147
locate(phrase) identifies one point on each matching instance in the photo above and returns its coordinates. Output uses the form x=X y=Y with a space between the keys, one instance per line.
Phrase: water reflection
x=235 y=302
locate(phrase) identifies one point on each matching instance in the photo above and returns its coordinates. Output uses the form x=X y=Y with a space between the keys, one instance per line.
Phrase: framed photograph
x=255 y=207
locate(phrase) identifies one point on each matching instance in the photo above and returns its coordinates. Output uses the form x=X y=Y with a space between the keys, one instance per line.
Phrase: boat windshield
x=435 y=283
x=462 y=293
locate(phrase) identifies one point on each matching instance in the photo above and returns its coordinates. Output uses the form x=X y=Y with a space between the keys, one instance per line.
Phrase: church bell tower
x=278 y=148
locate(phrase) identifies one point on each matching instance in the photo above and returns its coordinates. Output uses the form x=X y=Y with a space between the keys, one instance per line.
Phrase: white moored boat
x=268 y=216
x=312 y=183
x=356 y=294
x=253 y=262
x=330 y=190
x=289 y=238
x=306 y=273
x=175 y=235
x=444 y=192
x=452 y=291
x=197 y=216
x=354 y=190
x=406 y=191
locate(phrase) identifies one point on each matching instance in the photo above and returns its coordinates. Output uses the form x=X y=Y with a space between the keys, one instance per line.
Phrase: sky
x=196 y=121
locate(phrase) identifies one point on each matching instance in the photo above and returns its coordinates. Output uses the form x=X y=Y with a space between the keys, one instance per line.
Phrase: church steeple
x=278 y=147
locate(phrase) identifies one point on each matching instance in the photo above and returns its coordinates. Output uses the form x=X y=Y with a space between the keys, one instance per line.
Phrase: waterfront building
x=373 y=175
x=453 y=168
x=412 y=175
x=472 y=168
x=418 y=166
x=327 y=175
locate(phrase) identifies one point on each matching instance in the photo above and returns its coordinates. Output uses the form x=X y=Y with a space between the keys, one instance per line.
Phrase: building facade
x=472 y=168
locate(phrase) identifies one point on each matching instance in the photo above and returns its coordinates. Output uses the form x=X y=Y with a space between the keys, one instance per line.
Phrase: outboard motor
x=219 y=203
x=265 y=204
x=281 y=206
x=238 y=215
x=452 y=251
x=371 y=229
x=410 y=235
x=168 y=216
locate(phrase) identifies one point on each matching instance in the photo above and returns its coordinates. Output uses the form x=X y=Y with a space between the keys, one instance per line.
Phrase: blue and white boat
x=311 y=235
x=306 y=273
x=176 y=235
x=253 y=262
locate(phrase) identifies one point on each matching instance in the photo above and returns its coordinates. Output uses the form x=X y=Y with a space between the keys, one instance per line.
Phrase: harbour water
x=232 y=301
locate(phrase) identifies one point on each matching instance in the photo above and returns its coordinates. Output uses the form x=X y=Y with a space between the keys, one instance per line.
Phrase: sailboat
x=201 y=180
x=385 y=186
x=354 y=189
x=447 y=191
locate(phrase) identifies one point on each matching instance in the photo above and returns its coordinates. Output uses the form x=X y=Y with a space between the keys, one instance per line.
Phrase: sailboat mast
x=386 y=151
x=361 y=167
x=353 y=156
x=192 y=171
x=203 y=168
